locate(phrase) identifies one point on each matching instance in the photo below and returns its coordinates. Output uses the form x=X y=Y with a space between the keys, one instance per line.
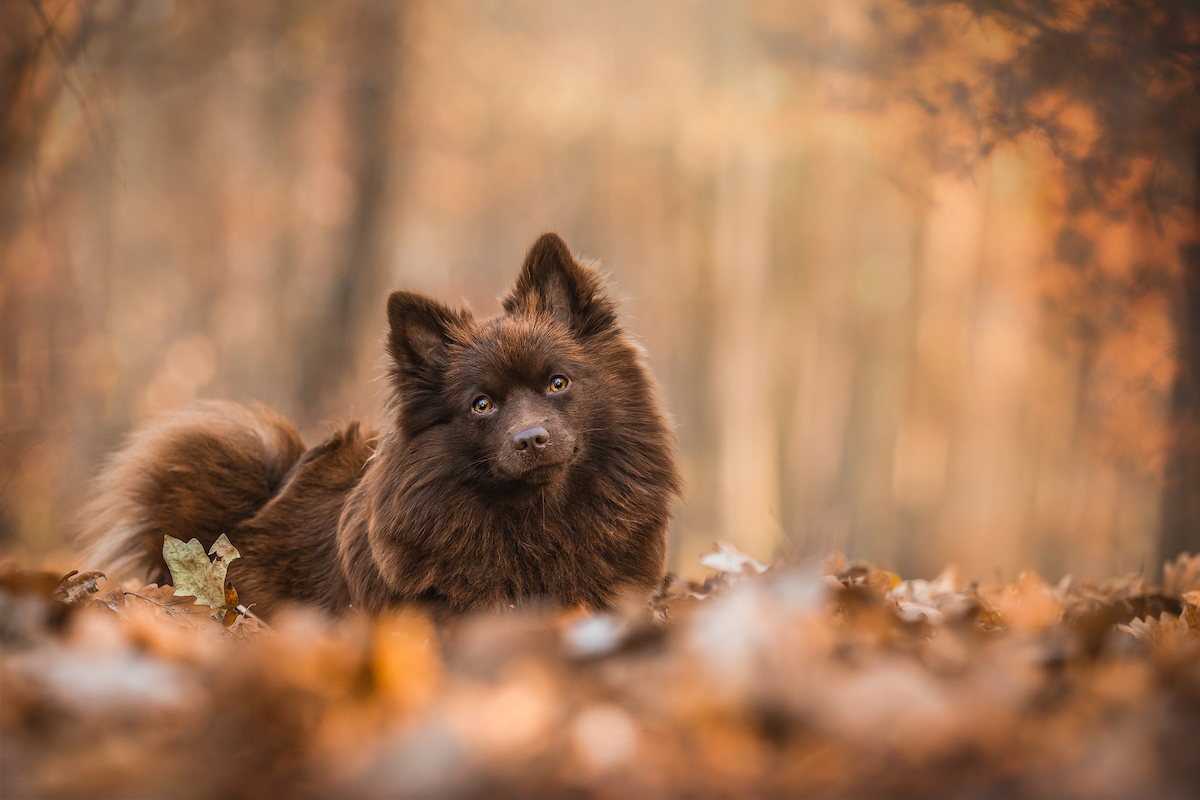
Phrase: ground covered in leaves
x=796 y=680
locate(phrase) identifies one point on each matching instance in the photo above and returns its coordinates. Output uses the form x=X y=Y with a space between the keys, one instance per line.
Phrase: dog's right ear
x=419 y=330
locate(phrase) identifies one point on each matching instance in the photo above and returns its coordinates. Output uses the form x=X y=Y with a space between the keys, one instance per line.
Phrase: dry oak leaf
x=161 y=599
x=729 y=559
x=1181 y=575
x=77 y=587
x=195 y=576
x=1168 y=631
x=1190 y=613
x=242 y=624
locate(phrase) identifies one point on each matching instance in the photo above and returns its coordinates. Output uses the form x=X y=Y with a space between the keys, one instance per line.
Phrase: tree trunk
x=375 y=83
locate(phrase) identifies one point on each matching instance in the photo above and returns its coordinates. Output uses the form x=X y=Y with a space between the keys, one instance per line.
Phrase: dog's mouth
x=540 y=469
x=542 y=474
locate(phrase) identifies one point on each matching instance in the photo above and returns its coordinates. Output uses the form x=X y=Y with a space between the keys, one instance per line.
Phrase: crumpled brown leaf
x=77 y=587
x=727 y=558
x=164 y=602
x=1166 y=631
x=1182 y=575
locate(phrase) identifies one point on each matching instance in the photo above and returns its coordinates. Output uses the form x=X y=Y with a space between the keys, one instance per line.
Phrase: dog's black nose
x=530 y=439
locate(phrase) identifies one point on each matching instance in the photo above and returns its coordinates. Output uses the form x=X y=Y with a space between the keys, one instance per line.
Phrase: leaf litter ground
x=791 y=680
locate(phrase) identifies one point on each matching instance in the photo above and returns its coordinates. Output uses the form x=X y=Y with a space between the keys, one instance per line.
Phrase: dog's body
x=523 y=456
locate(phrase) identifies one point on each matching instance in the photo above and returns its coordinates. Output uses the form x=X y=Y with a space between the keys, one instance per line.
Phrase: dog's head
x=514 y=397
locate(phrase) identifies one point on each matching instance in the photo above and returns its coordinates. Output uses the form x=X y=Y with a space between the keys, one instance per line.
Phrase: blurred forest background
x=920 y=279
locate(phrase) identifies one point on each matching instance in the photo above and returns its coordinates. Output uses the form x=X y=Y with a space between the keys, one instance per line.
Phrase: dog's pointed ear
x=553 y=283
x=419 y=331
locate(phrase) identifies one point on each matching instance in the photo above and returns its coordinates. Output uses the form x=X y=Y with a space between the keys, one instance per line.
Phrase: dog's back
x=196 y=473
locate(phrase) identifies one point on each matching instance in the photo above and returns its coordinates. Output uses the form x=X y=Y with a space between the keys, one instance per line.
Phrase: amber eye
x=558 y=383
x=482 y=405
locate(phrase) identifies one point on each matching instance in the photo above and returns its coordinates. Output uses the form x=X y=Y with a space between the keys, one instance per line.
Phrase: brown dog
x=522 y=456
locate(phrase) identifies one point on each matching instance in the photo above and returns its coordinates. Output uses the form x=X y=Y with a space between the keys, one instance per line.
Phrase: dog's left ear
x=552 y=282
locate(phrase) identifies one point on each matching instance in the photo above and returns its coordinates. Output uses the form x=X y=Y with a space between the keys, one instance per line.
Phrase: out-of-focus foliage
x=796 y=681
x=1108 y=85
x=1108 y=88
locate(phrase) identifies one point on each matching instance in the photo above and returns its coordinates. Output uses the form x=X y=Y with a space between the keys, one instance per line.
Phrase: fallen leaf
x=162 y=599
x=1181 y=575
x=242 y=625
x=195 y=576
x=1167 y=632
x=114 y=599
x=1031 y=605
x=77 y=587
x=729 y=559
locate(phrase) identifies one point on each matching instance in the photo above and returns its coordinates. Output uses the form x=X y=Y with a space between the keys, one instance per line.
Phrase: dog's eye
x=482 y=405
x=558 y=383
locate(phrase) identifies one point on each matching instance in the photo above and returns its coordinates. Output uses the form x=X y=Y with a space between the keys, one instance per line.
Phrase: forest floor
x=793 y=680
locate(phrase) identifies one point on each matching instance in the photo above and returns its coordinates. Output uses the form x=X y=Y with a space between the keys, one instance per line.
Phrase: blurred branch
x=86 y=30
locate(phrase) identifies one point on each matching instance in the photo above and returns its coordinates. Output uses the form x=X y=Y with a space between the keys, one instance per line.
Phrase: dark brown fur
x=559 y=486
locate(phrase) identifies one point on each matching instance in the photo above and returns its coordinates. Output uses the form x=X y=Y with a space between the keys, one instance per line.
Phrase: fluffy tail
x=196 y=473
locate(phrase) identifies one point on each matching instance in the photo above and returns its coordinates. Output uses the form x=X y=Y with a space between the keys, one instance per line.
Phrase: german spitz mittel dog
x=522 y=457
